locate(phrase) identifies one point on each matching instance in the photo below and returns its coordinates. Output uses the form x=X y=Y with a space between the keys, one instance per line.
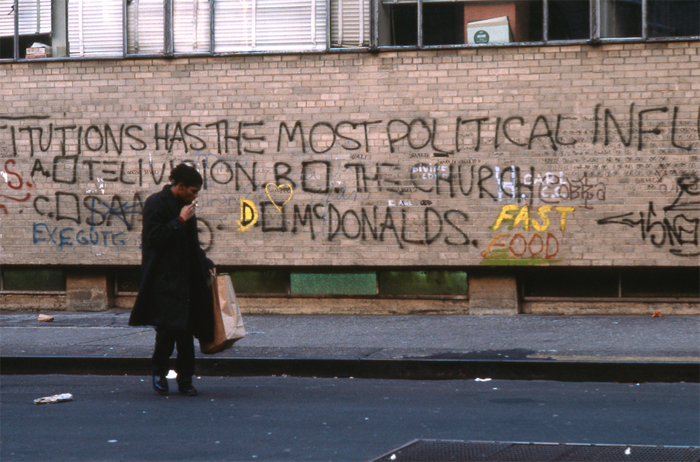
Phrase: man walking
x=174 y=296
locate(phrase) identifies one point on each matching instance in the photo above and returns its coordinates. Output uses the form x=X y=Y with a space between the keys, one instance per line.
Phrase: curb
x=405 y=369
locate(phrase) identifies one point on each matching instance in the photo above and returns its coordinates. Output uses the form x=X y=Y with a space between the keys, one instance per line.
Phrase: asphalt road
x=285 y=419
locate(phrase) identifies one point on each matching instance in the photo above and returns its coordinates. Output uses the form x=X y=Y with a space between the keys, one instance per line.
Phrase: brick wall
x=572 y=156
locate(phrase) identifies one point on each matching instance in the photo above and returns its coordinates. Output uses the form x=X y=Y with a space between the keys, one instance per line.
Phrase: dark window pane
x=398 y=24
x=443 y=23
x=260 y=282
x=7 y=30
x=673 y=18
x=571 y=282
x=7 y=47
x=569 y=19
x=423 y=283
x=33 y=279
x=334 y=283
x=620 y=18
x=662 y=282
x=128 y=279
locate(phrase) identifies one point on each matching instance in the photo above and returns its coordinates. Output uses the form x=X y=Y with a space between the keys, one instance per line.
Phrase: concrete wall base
x=349 y=306
x=604 y=308
x=32 y=302
x=87 y=292
x=493 y=295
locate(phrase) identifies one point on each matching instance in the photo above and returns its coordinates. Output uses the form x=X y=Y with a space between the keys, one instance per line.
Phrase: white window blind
x=7 y=20
x=34 y=17
x=269 y=25
x=350 y=23
x=95 y=27
x=145 y=27
x=191 y=26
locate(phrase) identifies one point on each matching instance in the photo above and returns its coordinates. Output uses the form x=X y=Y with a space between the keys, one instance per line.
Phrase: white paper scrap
x=63 y=397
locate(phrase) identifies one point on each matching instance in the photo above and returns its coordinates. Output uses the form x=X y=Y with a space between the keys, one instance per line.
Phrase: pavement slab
x=417 y=339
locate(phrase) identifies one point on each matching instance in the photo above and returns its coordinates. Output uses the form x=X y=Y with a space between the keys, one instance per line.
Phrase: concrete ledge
x=412 y=369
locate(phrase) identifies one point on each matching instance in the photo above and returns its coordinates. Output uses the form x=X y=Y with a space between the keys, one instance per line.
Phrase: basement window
x=612 y=283
x=127 y=280
x=382 y=284
x=571 y=282
x=423 y=283
x=661 y=282
x=260 y=282
x=31 y=279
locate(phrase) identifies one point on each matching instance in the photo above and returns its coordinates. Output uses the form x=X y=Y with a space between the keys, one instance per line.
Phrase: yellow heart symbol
x=277 y=192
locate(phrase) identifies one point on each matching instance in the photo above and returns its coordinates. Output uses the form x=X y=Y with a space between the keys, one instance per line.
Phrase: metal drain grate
x=483 y=451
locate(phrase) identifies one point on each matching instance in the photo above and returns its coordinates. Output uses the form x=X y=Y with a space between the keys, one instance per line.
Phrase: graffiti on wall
x=85 y=185
x=532 y=240
x=19 y=190
x=673 y=227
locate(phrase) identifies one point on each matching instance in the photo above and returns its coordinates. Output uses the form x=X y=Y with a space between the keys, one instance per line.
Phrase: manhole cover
x=484 y=451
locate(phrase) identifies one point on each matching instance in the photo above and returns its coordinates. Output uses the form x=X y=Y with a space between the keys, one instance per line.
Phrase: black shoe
x=187 y=389
x=160 y=383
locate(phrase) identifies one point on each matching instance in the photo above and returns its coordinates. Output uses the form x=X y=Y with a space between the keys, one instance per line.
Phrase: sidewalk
x=595 y=348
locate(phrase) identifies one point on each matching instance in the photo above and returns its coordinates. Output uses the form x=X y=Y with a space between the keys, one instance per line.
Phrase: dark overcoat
x=174 y=293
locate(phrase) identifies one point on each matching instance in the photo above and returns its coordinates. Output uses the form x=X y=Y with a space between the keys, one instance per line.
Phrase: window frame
x=619 y=277
x=594 y=38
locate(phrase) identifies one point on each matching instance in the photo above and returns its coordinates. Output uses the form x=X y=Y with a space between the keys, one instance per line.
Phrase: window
x=620 y=18
x=269 y=25
x=571 y=282
x=145 y=27
x=381 y=284
x=350 y=21
x=423 y=283
x=191 y=26
x=33 y=26
x=673 y=18
x=569 y=20
x=7 y=29
x=127 y=280
x=459 y=22
x=31 y=279
x=612 y=283
x=260 y=282
x=668 y=282
x=95 y=28
x=117 y=28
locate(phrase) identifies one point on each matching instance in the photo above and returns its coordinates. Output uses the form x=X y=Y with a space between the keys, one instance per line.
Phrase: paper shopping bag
x=228 y=322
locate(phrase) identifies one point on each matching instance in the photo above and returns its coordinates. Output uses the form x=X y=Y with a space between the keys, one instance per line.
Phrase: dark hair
x=188 y=176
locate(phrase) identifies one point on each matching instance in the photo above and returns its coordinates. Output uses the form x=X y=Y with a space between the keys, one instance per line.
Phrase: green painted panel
x=423 y=283
x=334 y=283
x=33 y=279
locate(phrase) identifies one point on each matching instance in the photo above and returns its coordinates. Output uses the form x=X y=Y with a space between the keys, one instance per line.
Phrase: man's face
x=186 y=194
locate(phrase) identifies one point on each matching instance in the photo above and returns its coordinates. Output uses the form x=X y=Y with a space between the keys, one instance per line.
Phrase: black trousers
x=166 y=340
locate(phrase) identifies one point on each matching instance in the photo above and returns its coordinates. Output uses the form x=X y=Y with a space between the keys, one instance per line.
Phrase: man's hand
x=212 y=272
x=187 y=212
